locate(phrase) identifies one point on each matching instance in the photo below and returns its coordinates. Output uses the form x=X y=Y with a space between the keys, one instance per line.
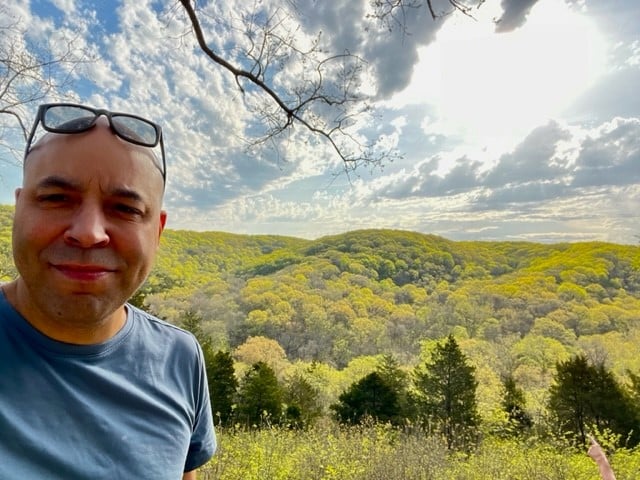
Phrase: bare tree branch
x=29 y=76
x=325 y=99
x=393 y=13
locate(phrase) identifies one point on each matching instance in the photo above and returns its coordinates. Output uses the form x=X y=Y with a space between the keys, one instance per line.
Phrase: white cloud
x=488 y=154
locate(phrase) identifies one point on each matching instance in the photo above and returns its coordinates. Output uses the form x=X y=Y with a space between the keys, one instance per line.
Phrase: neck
x=86 y=332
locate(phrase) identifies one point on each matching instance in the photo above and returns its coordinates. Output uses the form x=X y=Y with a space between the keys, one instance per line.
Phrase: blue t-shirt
x=134 y=407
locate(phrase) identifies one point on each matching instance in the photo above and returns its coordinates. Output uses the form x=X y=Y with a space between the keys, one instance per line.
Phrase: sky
x=518 y=122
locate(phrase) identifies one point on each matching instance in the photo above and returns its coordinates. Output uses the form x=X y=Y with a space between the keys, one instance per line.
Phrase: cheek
x=139 y=250
x=35 y=236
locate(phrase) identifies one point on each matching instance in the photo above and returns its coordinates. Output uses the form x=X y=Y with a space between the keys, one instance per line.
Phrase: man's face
x=87 y=225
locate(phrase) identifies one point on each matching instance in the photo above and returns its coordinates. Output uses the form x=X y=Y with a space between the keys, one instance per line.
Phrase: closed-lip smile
x=83 y=272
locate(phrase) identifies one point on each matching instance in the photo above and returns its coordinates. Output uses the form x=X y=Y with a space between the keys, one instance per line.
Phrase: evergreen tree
x=446 y=394
x=218 y=381
x=223 y=386
x=371 y=397
x=301 y=398
x=260 y=396
x=634 y=387
x=585 y=396
x=513 y=403
x=398 y=380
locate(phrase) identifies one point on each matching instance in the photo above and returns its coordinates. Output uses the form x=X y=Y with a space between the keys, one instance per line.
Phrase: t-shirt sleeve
x=203 y=440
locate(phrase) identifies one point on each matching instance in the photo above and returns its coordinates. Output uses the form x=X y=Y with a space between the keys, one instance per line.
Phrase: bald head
x=99 y=142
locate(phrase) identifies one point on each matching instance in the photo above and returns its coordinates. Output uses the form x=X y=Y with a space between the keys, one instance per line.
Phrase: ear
x=17 y=193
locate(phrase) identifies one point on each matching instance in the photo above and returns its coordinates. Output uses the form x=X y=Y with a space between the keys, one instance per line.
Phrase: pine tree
x=223 y=386
x=260 y=397
x=514 y=403
x=398 y=380
x=218 y=381
x=370 y=397
x=446 y=394
x=303 y=406
x=584 y=396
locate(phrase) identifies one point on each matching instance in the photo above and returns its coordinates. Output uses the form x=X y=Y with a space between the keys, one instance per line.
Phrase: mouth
x=83 y=273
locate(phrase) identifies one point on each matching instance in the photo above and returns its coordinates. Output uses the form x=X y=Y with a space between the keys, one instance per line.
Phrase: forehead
x=95 y=155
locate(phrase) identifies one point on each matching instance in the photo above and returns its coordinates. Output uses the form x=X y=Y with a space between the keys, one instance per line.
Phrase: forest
x=333 y=323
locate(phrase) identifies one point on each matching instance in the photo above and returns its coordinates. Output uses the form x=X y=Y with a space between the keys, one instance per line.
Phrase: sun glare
x=494 y=88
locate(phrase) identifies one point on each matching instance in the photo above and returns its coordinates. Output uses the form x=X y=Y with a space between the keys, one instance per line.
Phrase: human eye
x=127 y=210
x=53 y=198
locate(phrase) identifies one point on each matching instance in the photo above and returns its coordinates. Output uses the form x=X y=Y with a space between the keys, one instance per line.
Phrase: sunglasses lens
x=136 y=130
x=67 y=119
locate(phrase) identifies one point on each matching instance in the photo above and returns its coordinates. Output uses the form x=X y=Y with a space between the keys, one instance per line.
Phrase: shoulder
x=155 y=331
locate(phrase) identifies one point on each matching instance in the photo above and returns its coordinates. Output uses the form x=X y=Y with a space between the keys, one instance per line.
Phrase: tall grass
x=379 y=452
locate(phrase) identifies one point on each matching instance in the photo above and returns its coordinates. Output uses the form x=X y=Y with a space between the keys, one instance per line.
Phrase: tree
x=223 y=386
x=398 y=380
x=371 y=397
x=302 y=400
x=260 y=397
x=30 y=73
x=446 y=394
x=514 y=403
x=584 y=396
x=262 y=349
x=221 y=378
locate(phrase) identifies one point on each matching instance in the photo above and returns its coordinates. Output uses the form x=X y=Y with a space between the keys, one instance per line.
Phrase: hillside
x=520 y=306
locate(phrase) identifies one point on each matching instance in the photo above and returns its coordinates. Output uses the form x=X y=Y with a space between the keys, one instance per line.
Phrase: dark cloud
x=461 y=178
x=514 y=14
x=535 y=192
x=530 y=161
x=391 y=53
x=535 y=172
x=612 y=158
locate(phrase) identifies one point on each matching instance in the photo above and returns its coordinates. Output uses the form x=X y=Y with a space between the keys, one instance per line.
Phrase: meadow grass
x=379 y=452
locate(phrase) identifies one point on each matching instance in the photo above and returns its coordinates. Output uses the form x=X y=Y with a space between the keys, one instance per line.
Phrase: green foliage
x=398 y=380
x=223 y=386
x=328 y=309
x=380 y=452
x=303 y=402
x=7 y=269
x=446 y=394
x=260 y=397
x=366 y=292
x=586 y=397
x=370 y=397
x=514 y=405
x=221 y=378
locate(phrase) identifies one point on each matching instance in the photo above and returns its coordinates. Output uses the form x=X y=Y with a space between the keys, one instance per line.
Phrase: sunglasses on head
x=71 y=118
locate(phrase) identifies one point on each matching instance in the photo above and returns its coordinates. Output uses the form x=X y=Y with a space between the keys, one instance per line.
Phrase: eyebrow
x=55 y=181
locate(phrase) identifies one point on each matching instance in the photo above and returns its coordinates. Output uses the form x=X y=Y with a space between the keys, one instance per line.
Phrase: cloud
x=531 y=160
x=553 y=162
x=610 y=155
x=514 y=14
x=573 y=178
x=390 y=53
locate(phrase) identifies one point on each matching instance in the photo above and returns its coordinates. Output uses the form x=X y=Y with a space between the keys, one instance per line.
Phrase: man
x=91 y=387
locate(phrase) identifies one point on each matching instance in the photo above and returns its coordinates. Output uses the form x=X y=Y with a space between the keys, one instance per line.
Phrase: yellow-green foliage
x=340 y=301
x=378 y=452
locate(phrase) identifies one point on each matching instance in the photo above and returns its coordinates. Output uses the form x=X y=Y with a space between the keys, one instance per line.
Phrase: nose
x=87 y=228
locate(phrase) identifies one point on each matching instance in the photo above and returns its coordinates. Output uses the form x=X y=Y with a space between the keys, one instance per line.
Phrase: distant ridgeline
x=382 y=291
